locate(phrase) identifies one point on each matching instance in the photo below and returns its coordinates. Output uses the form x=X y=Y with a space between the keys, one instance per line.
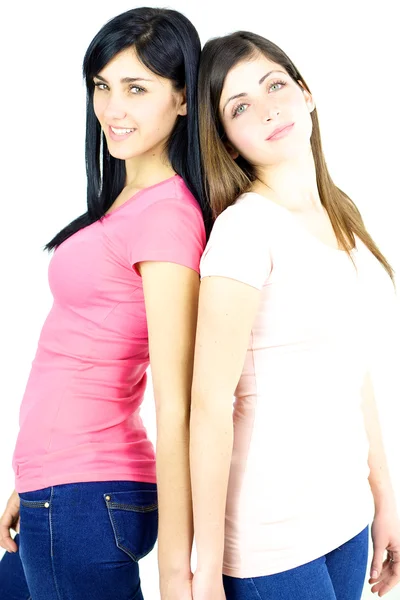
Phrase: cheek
x=244 y=136
x=153 y=113
x=98 y=106
x=303 y=119
x=298 y=107
x=159 y=117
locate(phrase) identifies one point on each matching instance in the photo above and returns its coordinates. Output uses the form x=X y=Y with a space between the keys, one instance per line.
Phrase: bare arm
x=379 y=477
x=171 y=299
x=385 y=566
x=227 y=309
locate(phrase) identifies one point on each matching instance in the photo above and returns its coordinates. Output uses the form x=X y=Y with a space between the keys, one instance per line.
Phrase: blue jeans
x=339 y=575
x=82 y=541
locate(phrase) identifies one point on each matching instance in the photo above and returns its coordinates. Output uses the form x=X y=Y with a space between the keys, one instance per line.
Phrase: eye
x=100 y=86
x=239 y=109
x=275 y=86
x=135 y=89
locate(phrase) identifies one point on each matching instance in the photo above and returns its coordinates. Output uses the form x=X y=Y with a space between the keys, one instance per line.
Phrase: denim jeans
x=82 y=541
x=13 y=584
x=339 y=575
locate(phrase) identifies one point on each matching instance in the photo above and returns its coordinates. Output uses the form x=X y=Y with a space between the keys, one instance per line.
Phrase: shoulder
x=250 y=215
x=170 y=227
x=171 y=206
x=172 y=194
x=239 y=244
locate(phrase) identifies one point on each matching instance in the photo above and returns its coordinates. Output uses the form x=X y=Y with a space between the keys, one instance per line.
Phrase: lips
x=120 y=130
x=280 y=132
x=118 y=134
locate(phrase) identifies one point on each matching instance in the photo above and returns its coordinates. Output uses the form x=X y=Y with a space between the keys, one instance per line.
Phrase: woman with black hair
x=125 y=281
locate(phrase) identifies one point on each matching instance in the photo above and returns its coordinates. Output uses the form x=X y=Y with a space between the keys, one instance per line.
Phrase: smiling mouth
x=120 y=131
x=280 y=132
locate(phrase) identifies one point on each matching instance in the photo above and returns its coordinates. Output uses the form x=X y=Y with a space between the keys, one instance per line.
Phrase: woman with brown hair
x=292 y=286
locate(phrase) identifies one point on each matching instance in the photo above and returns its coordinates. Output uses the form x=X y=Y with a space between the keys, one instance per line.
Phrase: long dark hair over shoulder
x=168 y=44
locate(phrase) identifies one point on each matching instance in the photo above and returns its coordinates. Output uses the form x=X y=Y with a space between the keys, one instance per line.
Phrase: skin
x=286 y=175
x=384 y=573
x=276 y=101
x=151 y=107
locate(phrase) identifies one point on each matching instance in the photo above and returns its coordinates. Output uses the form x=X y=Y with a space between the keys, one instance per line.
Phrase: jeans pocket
x=35 y=518
x=37 y=499
x=134 y=519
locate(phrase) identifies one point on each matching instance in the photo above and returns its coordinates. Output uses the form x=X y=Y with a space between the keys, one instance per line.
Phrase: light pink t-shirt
x=79 y=419
x=298 y=484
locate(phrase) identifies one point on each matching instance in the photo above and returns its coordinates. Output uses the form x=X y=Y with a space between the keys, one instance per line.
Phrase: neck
x=292 y=184
x=147 y=169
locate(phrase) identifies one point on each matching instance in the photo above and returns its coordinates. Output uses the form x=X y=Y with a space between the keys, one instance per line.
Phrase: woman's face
x=265 y=114
x=136 y=108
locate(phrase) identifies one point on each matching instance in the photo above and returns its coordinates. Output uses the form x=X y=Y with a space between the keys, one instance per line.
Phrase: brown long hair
x=226 y=178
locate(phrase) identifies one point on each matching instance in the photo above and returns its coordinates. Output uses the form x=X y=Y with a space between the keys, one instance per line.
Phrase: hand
x=208 y=586
x=10 y=520
x=178 y=587
x=385 y=574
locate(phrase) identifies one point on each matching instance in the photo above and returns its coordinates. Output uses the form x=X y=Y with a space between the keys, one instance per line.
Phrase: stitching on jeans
x=51 y=545
x=251 y=580
x=132 y=508
x=116 y=536
x=33 y=503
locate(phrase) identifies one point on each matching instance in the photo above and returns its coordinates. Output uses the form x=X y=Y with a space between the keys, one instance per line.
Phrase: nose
x=269 y=113
x=114 y=109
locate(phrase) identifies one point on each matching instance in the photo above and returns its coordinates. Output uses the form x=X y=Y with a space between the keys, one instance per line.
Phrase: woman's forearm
x=379 y=477
x=380 y=482
x=211 y=438
x=175 y=534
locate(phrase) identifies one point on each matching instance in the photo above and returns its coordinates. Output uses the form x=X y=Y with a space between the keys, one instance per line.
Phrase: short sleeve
x=169 y=230
x=238 y=247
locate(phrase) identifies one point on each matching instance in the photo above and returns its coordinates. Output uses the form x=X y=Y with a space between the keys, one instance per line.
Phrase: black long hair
x=168 y=44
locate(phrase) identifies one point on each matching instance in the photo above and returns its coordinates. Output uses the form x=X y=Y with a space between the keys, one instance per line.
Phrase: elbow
x=211 y=409
x=172 y=415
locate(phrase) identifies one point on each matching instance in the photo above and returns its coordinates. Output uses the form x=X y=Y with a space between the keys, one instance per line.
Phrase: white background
x=347 y=51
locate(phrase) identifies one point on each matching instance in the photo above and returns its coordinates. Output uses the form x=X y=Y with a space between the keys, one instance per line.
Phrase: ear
x=308 y=97
x=231 y=150
x=182 y=110
x=182 y=104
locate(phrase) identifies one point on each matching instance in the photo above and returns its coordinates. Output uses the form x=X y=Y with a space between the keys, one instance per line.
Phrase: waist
x=73 y=422
x=84 y=462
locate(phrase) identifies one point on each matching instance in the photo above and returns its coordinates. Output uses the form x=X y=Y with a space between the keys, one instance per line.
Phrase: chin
x=122 y=153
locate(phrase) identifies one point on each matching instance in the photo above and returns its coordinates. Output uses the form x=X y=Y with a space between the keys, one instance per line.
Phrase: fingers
x=384 y=574
x=389 y=578
x=6 y=540
x=377 y=561
x=10 y=520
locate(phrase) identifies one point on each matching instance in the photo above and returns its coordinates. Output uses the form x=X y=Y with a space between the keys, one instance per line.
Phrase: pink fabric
x=298 y=484
x=79 y=419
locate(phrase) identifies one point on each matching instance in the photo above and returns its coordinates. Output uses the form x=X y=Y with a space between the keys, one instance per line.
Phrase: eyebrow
x=124 y=80
x=242 y=94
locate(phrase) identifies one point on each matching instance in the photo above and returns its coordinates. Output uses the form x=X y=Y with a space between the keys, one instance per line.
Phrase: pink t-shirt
x=298 y=484
x=79 y=419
